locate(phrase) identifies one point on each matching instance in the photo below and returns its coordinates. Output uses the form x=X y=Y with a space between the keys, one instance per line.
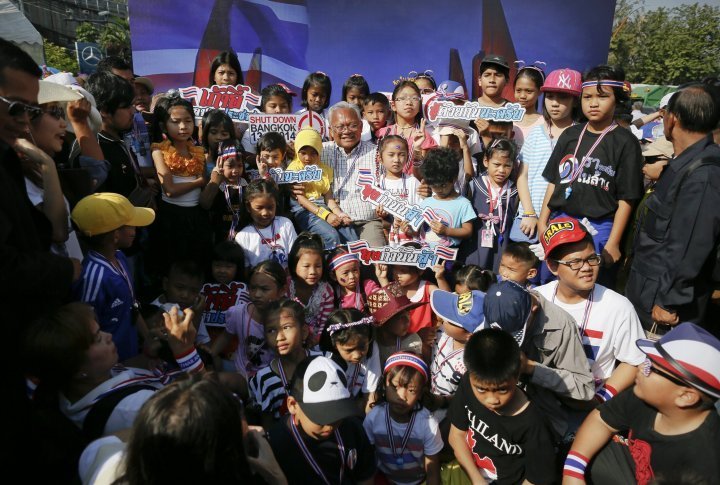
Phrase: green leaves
x=59 y=57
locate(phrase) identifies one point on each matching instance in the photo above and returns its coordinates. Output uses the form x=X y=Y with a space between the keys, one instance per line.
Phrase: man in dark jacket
x=671 y=277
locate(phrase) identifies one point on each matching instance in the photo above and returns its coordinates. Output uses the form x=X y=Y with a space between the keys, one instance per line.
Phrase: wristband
x=605 y=393
x=575 y=465
x=531 y=215
x=190 y=361
x=323 y=213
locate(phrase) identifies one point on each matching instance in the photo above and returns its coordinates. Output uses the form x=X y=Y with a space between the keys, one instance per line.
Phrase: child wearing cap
x=497 y=433
x=389 y=307
x=316 y=210
x=107 y=223
x=493 y=77
x=321 y=441
x=405 y=434
x=607 y=320
x=669 y=418
x=554 y=367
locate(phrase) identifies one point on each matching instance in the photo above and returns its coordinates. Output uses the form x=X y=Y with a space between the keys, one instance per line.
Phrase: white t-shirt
x=277 y=239
x=447 y=366
x=611 y=331
x=404 y=188
x=188 y=199
x=424 y=440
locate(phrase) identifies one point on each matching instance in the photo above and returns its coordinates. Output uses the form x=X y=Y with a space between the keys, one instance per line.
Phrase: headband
x=407 y=359
x=286 y=89
x=537 y=65
x=342 y=260
x=342 y=326
x=624 y=85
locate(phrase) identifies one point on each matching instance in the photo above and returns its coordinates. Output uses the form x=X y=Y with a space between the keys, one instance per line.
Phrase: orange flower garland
x=178 y=164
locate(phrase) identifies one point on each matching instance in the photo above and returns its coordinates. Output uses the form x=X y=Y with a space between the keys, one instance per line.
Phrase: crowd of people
x=175 y=314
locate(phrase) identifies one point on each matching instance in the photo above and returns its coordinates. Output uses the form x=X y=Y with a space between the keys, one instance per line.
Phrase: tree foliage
x=666 y=46
x=115 y=37
x=87 y=32
x=59 y=57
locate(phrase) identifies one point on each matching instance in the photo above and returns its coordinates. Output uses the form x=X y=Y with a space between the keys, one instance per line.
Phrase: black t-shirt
x=614 y=172
x=220 y=214
x=509 y=449
x=359 y=454
x=122 y=178
x=695 y=454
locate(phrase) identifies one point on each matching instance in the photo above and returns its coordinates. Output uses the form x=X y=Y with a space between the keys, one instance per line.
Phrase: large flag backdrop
x=283 y=40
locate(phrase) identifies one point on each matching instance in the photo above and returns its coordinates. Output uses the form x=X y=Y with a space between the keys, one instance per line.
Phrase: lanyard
x=581 y=166
x=235 y=212
x=449 y=357
x=397 y=344
x=399 y=460
x=283 y=378
x=268 y=241
x=350 y=170
x=121 y=271
x=354 y=379
x=497 y=202
x=311 y=460
x=586 y=312
x=409 y=139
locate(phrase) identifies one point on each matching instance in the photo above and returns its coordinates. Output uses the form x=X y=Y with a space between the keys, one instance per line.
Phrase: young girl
x=217 y=128
x=355 y=90
x=266 y=236
x=268 y=283
x=392 y=153
x=424 y=81
x=560 y=104
x=409 y=123
x=405 y=434
x=595 y=171
x=494 y=198
x=276 y=99
x=348 y=336
x=376 y=114
x=316 y=92
x=472 y=277
x=350 y=291
x=182 y=229
x=390 y=307
x=225 y=70
x=307 y=285
x=528 y=83
x=223 y=194
x=285 y=332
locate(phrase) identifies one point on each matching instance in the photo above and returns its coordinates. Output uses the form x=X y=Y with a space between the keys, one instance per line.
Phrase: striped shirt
x=535 y=154
x=108 y=289
x=345 y=167
x=267 y=393
x=447 y=366
x=424 y=441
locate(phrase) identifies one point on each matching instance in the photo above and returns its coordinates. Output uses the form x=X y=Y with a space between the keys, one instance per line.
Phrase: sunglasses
x=18 y=108
x=56 y=112
x=648 y=368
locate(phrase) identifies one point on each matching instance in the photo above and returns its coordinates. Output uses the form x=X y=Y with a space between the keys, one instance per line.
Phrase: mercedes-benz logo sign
x=91 y=55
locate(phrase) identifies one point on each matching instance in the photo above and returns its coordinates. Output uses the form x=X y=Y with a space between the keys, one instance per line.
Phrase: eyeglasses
x=344 y=128
x=56 y=112
x=576 y=264
x=18 y=108
x=647 y=368
x=412 y=99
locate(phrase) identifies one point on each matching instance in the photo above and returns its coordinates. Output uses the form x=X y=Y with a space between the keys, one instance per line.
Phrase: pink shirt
x=358 y=299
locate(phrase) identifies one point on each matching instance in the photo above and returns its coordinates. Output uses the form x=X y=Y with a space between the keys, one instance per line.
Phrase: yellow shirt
x=314 y=190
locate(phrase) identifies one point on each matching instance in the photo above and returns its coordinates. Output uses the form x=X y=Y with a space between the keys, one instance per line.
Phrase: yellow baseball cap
x=105 y=212
x=308 y=137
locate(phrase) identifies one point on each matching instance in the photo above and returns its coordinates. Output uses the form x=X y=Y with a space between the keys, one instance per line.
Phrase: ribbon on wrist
x=190 y=361
x=575 y=465
x=605 y=393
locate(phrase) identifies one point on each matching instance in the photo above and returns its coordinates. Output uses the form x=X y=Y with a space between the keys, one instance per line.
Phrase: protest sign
x=402 y=255
x=473 y=110
x=286 y=124
x=234 y=100
x=309 y=173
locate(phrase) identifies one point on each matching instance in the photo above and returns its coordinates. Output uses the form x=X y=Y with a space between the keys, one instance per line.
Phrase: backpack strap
x=96 y=419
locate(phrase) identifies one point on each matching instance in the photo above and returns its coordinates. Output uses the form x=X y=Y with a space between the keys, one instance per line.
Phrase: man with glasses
x=346 y=154
x=32 y=279
x=607 y=320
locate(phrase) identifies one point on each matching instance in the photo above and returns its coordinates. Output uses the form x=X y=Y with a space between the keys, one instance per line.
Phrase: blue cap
x=464 y=310
x=507 y=306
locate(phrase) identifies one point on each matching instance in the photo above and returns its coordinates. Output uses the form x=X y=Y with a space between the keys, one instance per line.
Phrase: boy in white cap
x=321 y=441
x=669 y=415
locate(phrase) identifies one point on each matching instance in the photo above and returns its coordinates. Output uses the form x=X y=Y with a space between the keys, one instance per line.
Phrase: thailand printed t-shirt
x=452 y=213
x=612 y=172
x=507 y=449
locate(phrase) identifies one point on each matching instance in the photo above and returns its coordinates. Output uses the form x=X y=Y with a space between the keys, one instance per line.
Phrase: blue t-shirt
x=109 y=291
x=453 y=213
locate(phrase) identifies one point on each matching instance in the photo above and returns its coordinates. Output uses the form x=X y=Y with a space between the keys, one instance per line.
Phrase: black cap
x=496 y=59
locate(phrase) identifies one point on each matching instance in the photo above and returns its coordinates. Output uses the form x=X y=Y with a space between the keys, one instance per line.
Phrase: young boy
x=670 y=415
x=376 y=111
x=107 y=222
x=497 y=434
x=494 y=75
x=316 y=210
x=454 y=214
x=607 y=320
x=518 y=263
x=321 y=441
x=554 y=366
x=271 y=152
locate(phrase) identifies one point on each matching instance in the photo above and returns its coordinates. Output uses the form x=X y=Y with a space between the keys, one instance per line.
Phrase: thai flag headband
x=342 y=260
x=409 y=360
x=624 y=85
